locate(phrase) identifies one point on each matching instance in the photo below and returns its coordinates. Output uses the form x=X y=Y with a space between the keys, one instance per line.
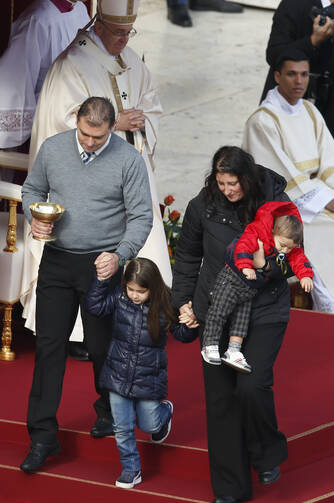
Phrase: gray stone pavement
x=210 y=78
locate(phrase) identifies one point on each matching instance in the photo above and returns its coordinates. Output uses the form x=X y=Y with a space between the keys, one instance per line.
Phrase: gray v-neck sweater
x=107 y=201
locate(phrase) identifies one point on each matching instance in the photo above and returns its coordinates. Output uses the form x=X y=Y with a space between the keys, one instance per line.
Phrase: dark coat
x=200 y=255
x=292 y=27
x=136 y=366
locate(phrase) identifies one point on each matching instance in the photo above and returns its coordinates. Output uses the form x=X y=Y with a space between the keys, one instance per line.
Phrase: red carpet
x=86 y=469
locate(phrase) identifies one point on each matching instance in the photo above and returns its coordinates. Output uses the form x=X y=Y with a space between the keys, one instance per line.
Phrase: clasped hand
x=187 y=316
x=106 y=265
x=131 y=119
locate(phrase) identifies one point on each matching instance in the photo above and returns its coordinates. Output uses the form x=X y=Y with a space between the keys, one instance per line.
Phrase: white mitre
x=121 y=12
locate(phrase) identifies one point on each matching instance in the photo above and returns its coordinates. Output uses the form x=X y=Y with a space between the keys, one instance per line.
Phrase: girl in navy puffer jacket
x=135 y=370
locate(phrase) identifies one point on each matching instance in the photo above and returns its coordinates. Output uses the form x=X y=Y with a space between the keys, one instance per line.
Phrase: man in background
x=295 y=26
x=289 y=135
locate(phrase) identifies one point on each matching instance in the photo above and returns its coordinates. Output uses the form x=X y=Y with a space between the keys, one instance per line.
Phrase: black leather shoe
x=225 y=499
x=103 y=427
x=270 y=476
x=37 y=455
x=179 y=15
x=216 y=5
x=78 y=351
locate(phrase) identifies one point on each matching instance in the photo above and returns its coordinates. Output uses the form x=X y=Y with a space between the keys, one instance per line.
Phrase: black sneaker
x=128 y=480
x=161 y=435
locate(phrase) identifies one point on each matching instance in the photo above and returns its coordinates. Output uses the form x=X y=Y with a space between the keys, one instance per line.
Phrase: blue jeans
x=149 y=415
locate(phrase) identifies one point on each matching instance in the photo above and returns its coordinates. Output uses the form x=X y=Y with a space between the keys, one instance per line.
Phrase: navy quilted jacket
x=136 y=366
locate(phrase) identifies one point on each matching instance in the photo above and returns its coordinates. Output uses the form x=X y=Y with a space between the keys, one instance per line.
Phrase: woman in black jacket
x=241 y=421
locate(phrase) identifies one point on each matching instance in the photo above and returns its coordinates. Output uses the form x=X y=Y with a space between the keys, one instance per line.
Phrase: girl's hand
x=249 y=273
x=259 y=258
x=187 y=308
x=187 y=316
x=187 y=320
x=306 y=284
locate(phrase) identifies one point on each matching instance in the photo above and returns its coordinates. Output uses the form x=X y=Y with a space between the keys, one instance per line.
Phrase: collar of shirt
x=98 y=151
x=275 y=100
x=92 y=34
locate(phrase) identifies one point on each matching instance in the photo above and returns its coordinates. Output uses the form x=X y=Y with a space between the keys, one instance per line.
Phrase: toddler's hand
x=306 y=284
x=249 y=273
x=259 y=258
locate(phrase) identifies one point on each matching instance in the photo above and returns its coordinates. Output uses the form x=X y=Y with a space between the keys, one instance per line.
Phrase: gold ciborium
x=47 y=213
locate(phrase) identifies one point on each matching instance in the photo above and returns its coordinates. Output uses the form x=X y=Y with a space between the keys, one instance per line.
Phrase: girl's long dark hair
x=146 y=274
x=237 y=162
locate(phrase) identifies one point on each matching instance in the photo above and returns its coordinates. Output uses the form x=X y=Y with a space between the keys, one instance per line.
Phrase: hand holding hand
x=249 y=273
x=131 y=119
x=259 y=258
x=106 y=265
x=40 y=229
x=187 y=315
x=321 y=33
x=185 y=318
x=306 y=284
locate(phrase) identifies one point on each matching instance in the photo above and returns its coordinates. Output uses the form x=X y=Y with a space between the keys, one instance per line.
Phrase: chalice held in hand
x=47 y=213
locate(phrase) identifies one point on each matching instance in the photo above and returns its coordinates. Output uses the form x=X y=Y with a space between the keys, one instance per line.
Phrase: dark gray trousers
x=63 y=281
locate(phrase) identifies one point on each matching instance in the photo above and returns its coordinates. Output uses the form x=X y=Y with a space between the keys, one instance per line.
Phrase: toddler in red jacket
x=278 y=229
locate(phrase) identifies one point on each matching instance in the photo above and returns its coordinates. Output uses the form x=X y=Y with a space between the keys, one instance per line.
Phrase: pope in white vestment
x=37 y=37
x=87 y=68
x=293 y=140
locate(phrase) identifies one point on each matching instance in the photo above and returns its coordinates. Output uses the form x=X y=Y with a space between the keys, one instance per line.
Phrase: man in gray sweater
x=102 y=183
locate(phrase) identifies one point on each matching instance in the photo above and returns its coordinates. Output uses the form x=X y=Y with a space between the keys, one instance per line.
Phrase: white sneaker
x=211 y=355
x=236 y=360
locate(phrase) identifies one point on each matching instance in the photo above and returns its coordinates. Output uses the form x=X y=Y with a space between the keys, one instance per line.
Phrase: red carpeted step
x=172 y=470
x=63 y=480
x=303 y=388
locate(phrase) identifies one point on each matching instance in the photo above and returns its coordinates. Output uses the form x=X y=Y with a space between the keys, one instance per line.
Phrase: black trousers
x=241 y=418
x=63 y=281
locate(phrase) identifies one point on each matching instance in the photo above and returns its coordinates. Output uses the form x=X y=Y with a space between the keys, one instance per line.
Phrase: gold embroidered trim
x=296 y=181
x=310 y=111
x=327 y=173
x=309 y=164
x=119 y=19
x=115 y=91
x=130 y=7
x=120 y=61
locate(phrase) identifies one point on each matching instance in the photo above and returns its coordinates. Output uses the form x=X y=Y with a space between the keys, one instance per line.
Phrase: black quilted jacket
x=136 y=366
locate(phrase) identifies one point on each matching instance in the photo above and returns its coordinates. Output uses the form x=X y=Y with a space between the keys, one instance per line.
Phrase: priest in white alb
x=43 y=30
x=288 y=135
x=99 y=63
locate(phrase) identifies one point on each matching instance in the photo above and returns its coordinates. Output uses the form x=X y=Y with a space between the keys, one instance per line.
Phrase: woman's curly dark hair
x=237 y=162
